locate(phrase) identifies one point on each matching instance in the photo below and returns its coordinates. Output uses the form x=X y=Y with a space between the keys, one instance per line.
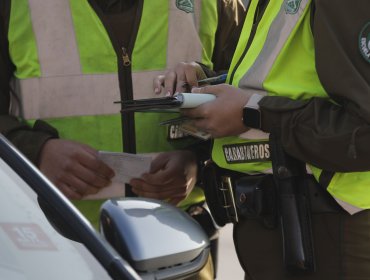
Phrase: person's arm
x=231 y=15
x=334 y=136
x=28 y=140
x=73 y=167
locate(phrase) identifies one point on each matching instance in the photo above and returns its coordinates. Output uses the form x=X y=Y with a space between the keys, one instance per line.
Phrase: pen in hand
x=210 y=81
x=213 y=80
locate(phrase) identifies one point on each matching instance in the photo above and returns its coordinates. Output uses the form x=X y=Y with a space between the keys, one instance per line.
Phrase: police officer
x=300 y=73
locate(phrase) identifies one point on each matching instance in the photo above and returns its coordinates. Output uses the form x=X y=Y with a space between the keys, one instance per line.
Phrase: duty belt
x=233 y=196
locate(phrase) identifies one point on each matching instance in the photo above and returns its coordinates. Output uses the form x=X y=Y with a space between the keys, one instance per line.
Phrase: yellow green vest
x=281 y=62
x=66 y=67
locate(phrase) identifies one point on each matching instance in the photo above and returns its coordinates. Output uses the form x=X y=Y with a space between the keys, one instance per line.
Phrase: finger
x=214 y=89
x=186 y=78
x=194 y=113
x=161 y=177
x=96 y=165
x=80 y=186
x=159 y=162
x=92 y=178
x=199 y=89
x=170 y=83
x=158 y=83
x=202 y=124
x=89 y=176
x=69 y=192
x=176 y=200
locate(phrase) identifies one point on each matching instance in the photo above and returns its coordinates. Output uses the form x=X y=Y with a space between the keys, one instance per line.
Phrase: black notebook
x=168 y=103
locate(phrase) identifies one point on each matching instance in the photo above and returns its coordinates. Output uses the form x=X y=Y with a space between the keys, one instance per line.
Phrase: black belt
x=232 y=196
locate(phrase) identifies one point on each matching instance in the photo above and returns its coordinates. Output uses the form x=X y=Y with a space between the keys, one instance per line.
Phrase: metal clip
x=228 y=199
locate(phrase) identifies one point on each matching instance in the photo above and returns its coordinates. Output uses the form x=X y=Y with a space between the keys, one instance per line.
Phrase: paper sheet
x=126 y=166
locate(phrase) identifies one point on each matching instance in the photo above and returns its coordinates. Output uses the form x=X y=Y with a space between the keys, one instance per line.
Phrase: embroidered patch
x=247 y=152
x=185 y=5
x=364 y=42
x=292 y=6
x=174 y=132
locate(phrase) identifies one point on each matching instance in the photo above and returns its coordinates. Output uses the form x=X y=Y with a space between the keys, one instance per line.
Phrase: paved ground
x=228 y=265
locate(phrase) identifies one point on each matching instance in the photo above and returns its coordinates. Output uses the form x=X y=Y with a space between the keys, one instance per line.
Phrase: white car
x=43 y=236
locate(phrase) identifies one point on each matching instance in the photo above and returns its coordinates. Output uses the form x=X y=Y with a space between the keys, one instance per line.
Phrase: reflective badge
x=247 y=152
x=185 y=5
x=292 y=6
x=364 y=42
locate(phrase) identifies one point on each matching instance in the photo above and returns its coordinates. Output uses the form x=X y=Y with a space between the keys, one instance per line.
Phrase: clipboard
x=168 y=103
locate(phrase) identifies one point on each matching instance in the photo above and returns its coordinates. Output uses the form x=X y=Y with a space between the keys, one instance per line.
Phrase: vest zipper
x=261 y=7
x=124 y=73
x=127 y=119
x=125 y=58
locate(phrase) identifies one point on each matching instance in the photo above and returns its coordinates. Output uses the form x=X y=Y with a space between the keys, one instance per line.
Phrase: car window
x=30 y=247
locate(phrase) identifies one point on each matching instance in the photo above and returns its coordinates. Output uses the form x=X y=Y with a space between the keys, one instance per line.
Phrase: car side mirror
x=159 y=240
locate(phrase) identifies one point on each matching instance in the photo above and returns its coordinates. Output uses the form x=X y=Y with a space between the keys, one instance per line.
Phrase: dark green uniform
x=310 y=61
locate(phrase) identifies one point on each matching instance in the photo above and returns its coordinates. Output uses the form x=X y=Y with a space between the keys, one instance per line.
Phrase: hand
x=223 y=116
x=180 y=79
x=172 y=176
x=74 y=168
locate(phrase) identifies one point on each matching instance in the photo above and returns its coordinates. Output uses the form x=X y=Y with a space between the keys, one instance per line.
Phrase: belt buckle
x=228 y=199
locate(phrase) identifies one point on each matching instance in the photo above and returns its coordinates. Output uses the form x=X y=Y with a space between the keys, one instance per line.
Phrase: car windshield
x=30 y=247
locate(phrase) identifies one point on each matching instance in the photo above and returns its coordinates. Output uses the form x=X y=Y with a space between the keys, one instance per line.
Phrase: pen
x=213 y=80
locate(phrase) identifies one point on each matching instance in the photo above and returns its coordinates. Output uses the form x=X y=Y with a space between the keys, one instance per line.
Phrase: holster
x=285 y=199
x=294 y=209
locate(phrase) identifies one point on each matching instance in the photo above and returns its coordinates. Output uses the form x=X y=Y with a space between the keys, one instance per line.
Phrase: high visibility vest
x=66 y=66
x=281 y=62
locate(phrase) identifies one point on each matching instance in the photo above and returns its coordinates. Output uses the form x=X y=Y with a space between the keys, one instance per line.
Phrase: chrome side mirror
x=159 y=240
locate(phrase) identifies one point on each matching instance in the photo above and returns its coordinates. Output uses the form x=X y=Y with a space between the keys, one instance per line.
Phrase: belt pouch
x=256 y=198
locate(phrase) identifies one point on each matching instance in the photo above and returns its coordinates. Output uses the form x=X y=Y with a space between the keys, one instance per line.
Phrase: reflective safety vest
x=67 y=65
x=280 y=61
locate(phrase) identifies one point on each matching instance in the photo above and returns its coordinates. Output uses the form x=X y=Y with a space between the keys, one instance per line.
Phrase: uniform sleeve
x=332 y=135
x=231 y=18
x=28 y=140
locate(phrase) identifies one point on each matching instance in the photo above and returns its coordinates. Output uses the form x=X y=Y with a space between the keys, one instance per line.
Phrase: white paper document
x=126 y=166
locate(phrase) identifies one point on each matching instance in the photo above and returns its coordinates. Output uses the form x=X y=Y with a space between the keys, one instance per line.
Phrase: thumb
x=213 y=89
x=159 y=162
x=175 y=200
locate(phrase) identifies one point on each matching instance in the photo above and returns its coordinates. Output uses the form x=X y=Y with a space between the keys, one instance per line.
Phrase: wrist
x=252 y=117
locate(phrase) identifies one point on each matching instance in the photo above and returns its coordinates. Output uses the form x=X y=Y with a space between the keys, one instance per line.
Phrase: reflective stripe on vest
x=264 y=55
x=280 y=52
x=75 y=59
x=67 y=68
